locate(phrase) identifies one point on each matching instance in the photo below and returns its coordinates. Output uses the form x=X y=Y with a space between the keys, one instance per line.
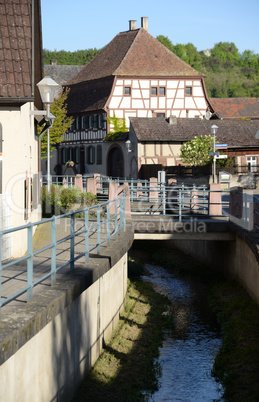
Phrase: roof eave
x=15 y=101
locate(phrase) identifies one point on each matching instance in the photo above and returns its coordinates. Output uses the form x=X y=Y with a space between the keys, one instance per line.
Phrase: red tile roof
x=235 y=133
x=16 y=48
x=234 y=108
x=134 y=53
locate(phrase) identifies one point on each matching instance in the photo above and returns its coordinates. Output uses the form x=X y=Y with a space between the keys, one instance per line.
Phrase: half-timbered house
x=133 y=76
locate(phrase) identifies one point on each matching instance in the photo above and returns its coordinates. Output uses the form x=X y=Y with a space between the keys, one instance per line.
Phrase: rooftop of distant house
x=235 y=133
x=61 y=73
x=236 y=108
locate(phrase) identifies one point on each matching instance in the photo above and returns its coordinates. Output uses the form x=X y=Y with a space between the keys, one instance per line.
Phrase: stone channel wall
x=48 y=345
x=238 y=259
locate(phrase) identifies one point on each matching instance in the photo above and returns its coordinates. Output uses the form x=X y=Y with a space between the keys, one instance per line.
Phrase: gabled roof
x=134 y=53
x=17 y=55
x=89 y=96
x=234 y=108
x=235 y=133
x=61 y=73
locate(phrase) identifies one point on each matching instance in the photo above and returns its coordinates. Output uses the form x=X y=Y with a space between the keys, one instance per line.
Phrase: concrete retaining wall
x=63 y=334
x=238 y=259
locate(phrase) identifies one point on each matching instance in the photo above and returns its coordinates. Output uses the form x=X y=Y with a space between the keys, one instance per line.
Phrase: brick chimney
x=132 y=25
x=144 y=23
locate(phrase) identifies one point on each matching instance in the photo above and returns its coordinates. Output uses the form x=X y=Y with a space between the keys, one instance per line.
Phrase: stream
x=188 y=352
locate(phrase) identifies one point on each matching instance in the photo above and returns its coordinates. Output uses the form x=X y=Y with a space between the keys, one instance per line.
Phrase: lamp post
x=48 y=88
x=214 y=130
x=128 y=145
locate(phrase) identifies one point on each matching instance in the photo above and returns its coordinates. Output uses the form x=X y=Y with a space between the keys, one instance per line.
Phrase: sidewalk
x=14 y=278
x=21 y=320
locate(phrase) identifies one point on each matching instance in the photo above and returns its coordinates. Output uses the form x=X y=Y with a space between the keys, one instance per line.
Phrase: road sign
x=221 y=145
x=224 y=177
x=214 y=154
x=221 y=157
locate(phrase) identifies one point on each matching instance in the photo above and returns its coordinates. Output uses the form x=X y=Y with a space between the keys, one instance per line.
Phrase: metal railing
x=247 y=213
x=70 y=180
x=180 y=201
x=92 y=226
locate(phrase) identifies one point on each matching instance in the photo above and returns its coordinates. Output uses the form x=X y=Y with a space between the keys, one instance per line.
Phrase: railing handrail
x=119 y=218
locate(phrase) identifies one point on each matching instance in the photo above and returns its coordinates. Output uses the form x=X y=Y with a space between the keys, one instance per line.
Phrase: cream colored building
x=21 y=69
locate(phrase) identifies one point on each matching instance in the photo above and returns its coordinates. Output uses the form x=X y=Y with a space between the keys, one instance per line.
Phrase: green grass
x=127 y=365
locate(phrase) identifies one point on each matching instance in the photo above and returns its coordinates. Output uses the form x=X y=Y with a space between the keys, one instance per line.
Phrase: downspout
x=33 y=95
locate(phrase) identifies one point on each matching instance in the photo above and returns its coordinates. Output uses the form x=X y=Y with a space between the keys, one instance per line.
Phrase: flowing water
x=188 y=352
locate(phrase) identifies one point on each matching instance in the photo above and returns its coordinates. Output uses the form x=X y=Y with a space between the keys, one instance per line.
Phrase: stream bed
x=188 y=352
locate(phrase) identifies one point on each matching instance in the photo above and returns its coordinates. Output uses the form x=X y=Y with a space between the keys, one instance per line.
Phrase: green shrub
x=67 y=198
x=60 y=200
x=88 y=200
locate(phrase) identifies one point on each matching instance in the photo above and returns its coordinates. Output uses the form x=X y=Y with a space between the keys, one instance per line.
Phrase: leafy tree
x=228 y=73
x=196 y=152
x=79 y=57
x=250 y=59
x=226 y=51
x=119 y=127
x=61 y=123
x=165 y=41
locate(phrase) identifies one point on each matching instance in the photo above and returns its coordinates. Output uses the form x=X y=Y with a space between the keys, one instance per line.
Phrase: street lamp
x=128 y=145
x=214 y=130
x=48 y=89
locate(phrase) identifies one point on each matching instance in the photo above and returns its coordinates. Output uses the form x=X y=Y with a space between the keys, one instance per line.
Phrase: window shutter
x=93 y=154
x=99 y=154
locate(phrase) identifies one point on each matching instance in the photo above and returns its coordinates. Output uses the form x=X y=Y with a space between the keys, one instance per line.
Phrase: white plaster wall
x=200 y=102
x=20 y=160
x=173 y=100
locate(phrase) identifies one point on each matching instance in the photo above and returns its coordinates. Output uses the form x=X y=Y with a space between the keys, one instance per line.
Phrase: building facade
x=21 y=69
x=133 y=76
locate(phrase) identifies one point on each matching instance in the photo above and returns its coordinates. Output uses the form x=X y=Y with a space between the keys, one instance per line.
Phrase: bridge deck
x=159 y=227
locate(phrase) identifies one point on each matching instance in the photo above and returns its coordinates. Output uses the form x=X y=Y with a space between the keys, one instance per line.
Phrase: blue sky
x=84 y=24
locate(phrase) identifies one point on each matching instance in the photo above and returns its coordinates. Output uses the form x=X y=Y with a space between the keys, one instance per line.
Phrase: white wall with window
x=251 y=163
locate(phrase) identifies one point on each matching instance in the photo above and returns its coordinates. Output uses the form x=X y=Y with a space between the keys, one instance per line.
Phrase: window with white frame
x=251 y=163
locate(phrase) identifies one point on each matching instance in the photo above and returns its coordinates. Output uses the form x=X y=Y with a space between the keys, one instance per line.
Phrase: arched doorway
x=115 y=162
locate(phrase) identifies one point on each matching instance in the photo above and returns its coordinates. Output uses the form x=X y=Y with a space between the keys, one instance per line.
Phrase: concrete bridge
x=49 y=343
x=155 y=227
